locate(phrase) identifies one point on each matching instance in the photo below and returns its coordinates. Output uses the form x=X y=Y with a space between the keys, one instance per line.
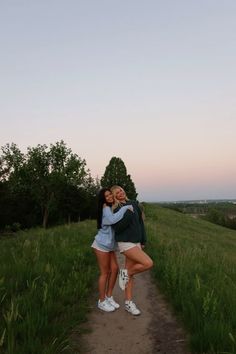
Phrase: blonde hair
x=116 y=202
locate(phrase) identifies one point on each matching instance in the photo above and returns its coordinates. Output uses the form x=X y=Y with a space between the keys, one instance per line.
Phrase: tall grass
x=195 y=264
x=45 y=281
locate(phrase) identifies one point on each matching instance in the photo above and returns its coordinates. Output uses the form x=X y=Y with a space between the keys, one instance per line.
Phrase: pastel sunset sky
x=152 y=82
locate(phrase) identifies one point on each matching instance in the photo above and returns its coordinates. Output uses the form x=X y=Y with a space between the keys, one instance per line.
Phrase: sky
x=152 y=82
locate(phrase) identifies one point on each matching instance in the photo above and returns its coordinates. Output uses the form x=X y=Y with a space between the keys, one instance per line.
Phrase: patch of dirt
x=155 y=331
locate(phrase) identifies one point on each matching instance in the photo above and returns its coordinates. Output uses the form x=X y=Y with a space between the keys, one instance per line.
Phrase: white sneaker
x=132 y=308
x=105 y=306
x=123 y=278
x=112 y=302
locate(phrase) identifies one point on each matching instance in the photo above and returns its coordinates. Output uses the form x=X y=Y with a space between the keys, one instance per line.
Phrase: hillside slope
x=195 y=265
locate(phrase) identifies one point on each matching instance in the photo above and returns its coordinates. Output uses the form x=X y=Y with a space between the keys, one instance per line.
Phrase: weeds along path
x=154 y=331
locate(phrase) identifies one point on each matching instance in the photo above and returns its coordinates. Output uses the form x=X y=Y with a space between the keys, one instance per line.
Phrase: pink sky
x=141 y=81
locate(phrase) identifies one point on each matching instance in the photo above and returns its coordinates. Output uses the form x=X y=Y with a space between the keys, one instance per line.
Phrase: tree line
x=51 y=185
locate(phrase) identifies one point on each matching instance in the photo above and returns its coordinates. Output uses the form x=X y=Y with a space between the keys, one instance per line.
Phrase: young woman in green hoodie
x=131 y=237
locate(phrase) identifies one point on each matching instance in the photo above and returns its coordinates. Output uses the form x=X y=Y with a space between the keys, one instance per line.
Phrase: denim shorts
x=99 y=247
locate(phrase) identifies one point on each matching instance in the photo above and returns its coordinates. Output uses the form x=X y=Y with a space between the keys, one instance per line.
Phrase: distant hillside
x=218 y=212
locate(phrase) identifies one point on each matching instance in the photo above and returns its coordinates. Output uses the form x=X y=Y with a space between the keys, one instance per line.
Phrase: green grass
x=46 y=277
x=195 y=265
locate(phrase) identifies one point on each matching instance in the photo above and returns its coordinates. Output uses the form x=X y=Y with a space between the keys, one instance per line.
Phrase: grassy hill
x=195 y=265
x=46 y=279
x=47 y=276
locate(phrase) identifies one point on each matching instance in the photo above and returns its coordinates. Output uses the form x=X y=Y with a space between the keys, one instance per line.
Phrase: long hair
x=116 y=202
x=101 y=202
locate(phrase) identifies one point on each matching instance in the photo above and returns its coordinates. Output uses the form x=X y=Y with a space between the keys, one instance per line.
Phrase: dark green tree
x=116 y=174
x=50 y=171
x=45 y=181
x=16 y=203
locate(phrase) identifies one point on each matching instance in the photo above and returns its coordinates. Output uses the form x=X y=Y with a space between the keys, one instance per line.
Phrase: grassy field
x=46 y=279
x=195 y=265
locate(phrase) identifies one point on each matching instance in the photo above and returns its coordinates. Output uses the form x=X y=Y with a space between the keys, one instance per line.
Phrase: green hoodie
x=131 y=227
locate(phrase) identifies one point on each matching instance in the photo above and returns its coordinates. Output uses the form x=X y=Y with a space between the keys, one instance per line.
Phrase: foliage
x=116 y=174
x=222 y=214
x=46 y=185
x=46 y=278
x=217 y=212
x=195 y=265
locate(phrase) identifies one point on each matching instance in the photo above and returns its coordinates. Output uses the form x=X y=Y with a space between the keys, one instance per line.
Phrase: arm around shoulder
x=110 y=218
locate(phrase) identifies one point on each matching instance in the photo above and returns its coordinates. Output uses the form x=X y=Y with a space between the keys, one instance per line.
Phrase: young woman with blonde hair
x=131 y=237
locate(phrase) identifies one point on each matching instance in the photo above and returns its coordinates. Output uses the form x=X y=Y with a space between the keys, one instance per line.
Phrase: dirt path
x=154 y=331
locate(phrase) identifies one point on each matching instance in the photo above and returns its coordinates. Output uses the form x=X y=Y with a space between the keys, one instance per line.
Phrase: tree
x=11 y=163
x=45 y=175
x=116 y=174
x=15 y=200
x=51 y=171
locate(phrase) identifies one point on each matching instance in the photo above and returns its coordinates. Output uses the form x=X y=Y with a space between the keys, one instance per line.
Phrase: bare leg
x=140 y=260
x=113 y=273
x=103 y=259
x=137 y=261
